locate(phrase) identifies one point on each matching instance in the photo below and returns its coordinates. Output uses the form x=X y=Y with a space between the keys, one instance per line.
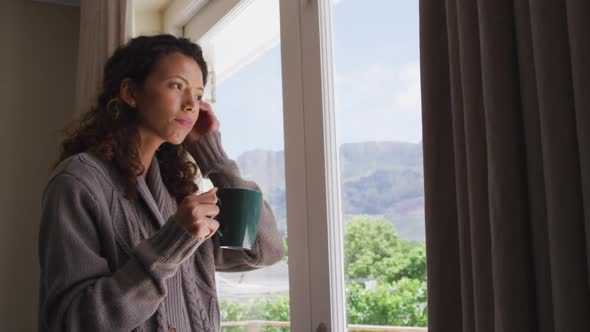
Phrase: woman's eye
x=177 y=86
x=199 y=98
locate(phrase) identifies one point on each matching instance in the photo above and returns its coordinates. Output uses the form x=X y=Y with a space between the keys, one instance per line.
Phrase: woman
x=124 y=243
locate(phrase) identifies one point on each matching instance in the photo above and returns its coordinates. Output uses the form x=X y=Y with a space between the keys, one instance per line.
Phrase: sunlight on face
x=168 y=103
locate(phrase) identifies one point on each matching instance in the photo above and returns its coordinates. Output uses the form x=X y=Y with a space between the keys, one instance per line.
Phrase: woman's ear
x=127 y=92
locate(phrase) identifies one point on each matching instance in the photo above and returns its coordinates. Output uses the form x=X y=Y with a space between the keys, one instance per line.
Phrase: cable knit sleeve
x=224 y=173
x=79 y=291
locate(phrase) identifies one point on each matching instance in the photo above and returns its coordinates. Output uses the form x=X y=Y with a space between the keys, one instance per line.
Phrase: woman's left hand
x=206 y=123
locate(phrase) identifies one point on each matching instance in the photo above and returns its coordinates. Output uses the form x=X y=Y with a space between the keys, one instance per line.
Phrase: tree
x=373 y=250
x=270 y=308
x=400 y=303
x=233 y=312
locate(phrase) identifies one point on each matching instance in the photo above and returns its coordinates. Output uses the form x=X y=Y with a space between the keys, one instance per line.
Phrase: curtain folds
x=506 y=102
x=104 y=25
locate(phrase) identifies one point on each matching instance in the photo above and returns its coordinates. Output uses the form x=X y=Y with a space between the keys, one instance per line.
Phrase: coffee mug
x=239 y=216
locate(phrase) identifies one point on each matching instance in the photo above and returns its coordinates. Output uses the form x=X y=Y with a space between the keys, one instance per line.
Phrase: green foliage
x=232 y=312
x=275 y=308
x=400 y=303
x=373 y=251
x=271 y=308
x=410 y=262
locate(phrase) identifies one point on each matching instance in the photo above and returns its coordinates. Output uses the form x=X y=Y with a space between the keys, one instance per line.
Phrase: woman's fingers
x=213 y=226
x=205 y=106
x=203 y=228
x=210 y=121
x=201 y=211
x=209 y=197
x=205 y=210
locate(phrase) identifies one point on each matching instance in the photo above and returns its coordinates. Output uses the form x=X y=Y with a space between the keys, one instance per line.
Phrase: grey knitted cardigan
x=111 y=264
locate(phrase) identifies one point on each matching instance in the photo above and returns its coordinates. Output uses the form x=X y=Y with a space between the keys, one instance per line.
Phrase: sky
x=377 y=82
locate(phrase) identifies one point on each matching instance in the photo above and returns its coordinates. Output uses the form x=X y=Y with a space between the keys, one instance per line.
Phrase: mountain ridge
x=379 y=179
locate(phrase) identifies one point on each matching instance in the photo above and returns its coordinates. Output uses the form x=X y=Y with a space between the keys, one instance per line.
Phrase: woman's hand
x=206 y=123
x=195 y=213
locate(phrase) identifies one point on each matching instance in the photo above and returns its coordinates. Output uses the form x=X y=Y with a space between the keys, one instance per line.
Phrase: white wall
x=37 y=79
x=148 y=22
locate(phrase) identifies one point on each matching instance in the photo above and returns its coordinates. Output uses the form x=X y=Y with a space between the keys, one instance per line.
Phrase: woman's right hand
x=196 y=212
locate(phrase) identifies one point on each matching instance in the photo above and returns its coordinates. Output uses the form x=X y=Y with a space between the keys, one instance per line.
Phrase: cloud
x=378 y=85
x=379 y=102
x=408 y=95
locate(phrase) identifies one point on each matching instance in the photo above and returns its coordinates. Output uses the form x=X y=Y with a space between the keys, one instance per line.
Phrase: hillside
x=379 y=179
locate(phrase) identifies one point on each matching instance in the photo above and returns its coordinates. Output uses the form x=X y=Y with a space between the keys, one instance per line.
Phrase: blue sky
x=377 y=93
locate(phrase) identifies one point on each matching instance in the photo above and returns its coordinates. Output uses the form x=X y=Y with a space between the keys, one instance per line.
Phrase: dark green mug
x=239 y=216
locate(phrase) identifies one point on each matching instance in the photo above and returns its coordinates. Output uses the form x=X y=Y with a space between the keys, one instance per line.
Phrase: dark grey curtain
x=506 y=121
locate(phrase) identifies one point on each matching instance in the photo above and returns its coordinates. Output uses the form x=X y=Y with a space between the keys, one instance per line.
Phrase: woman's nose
x=189 y=103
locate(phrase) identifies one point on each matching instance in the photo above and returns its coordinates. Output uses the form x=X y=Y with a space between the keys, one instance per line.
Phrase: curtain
x=506 y=121
x=104 y=25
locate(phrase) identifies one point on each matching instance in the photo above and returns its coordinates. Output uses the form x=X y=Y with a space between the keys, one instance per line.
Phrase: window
x=244 y=58
x=321 y=108
x=378 y=125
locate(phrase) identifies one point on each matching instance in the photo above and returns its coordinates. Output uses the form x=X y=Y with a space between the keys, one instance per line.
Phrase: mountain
x=267 y=168
x=361 y=159
x=378 y=179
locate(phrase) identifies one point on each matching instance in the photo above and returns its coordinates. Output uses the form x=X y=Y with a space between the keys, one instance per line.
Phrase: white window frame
x=316 y=273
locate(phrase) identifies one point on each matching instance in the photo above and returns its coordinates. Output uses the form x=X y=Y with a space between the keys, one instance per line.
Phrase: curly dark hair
x=109 y=130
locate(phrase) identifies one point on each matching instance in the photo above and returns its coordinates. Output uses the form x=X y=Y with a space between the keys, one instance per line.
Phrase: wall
x=37 y=80
x=147 y=22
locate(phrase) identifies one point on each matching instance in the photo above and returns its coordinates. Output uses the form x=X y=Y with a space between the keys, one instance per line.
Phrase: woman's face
x=168 y=103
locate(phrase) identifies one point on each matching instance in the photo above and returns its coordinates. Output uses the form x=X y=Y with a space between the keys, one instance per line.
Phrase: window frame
x=314 y=222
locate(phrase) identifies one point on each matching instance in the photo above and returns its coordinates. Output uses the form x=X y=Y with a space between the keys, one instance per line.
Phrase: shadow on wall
x=38 y=66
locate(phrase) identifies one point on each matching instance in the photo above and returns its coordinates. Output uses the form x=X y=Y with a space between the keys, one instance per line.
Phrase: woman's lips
x=184 y=122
